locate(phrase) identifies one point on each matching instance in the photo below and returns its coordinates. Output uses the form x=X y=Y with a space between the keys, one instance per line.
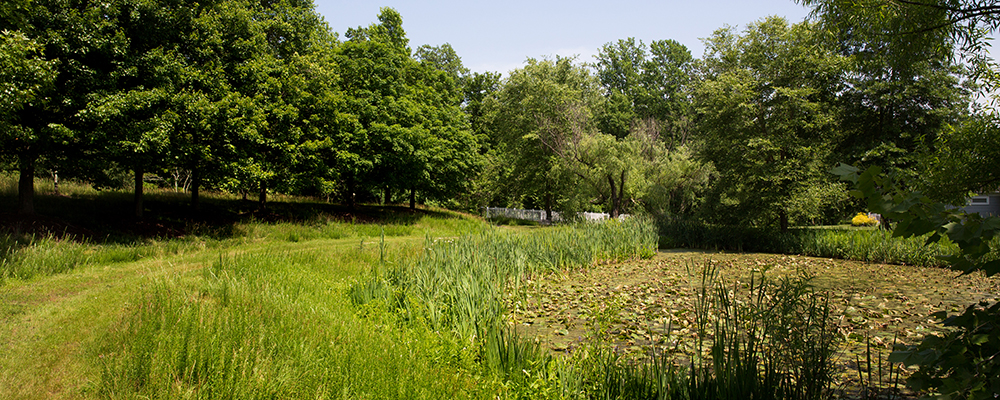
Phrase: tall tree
x=73 y=39
x=766 y=117
x=410 y=134
x=538 y=108
x=904 y=33
x=131 y=116
x=372 y=68
x=646 y=83
x=442 y=58
x=24 y=75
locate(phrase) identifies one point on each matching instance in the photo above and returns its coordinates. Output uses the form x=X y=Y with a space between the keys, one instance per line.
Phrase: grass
x=266 y=324
x=387 y=303
x=260 y=326
x=261 y=317
x=262 y=307
x=858 y=244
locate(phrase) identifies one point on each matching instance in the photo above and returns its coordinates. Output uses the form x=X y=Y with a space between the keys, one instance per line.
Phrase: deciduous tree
x=766 y=117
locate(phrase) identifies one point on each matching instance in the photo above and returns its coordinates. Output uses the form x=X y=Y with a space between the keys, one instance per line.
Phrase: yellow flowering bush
x=863 y=219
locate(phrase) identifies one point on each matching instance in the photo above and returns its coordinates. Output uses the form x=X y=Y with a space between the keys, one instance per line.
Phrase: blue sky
x=499 y=36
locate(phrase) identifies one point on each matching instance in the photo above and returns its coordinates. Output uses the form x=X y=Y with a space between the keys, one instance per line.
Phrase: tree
x=893 y=108
x=645 y=83
x=410 y=133
x=442 y=58
x=131 y=116
x=71 y=40
x=448 y=150
x=24 y=73
x=766 y=117
x=537 y=109
x=961 y=363
x=908 y=32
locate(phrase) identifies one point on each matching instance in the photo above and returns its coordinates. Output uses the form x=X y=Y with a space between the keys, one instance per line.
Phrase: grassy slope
x=50 y=325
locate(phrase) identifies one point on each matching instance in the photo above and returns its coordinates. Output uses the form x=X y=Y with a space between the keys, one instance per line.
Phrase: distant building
x=986 y=205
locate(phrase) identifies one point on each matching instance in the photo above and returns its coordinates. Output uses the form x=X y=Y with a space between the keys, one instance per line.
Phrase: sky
x=500 y=36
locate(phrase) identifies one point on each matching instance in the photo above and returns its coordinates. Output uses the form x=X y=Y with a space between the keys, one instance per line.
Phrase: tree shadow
x=106 y=217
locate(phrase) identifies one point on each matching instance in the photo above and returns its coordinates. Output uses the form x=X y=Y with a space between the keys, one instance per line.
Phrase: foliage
x=538 y=111
x=929 y=30
x=458 y=284
x=410 y=133
x=964 y=161
x=960 y=363
x=975 y=236
x=645 y=84
x=25 y=73
x=863 y=219
x=766 y=107
x=674 y=182
x=904 y=34
x=915 y=214
x=870 y=245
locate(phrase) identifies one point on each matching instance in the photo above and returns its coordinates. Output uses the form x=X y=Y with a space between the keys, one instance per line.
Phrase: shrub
x=962 y=363
x=863 y=219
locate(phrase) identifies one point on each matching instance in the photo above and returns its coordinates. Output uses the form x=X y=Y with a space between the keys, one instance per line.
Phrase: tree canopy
x=258 y=97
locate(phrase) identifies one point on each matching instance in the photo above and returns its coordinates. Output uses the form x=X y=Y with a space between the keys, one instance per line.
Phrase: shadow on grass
x=107 y=217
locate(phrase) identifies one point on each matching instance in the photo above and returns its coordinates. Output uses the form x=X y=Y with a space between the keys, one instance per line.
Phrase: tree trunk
x=413 y=198
x=262 y=197
x=548 y=202
x=783 y=220
x=614 y=197
x=387 y=195
x=350 y=193
x=137 y=200
x=195 y=187
x=26 y=185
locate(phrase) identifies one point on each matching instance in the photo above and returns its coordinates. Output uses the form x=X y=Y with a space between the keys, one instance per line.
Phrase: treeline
x=244 y=96
x=255 y=97
x=746 y=135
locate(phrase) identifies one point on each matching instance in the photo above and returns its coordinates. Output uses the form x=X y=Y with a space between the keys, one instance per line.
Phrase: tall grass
x=868 y=245
x=458 y=284
x=267 y=325
x=762 y=340
x=871 y=245
x=773 y=341
x=27 y=257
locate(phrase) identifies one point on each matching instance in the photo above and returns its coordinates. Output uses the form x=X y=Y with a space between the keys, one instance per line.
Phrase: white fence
x=539 y=215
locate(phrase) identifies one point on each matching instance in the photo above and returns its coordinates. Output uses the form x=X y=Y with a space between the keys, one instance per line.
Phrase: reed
x=870 y=245
x=765 y=340
x=263 y=326
x=458 y=284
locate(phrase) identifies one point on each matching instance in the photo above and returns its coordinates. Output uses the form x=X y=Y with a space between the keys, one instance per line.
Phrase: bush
x=962 y=363
x=850 y=244
x=863 y=219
